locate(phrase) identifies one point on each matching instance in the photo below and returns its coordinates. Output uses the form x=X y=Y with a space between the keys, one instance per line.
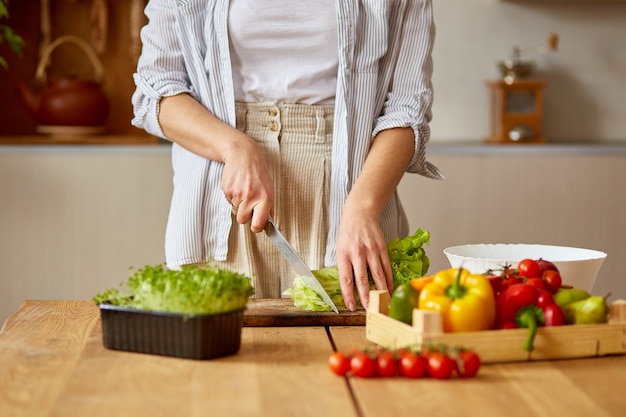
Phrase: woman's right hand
x=246 y=180
x=247 y=183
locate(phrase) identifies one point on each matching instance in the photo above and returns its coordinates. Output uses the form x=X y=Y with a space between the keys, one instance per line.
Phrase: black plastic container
x=171 y=334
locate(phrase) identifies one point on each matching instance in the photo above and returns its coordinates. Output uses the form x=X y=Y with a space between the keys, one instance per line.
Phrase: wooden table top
x=53 y=363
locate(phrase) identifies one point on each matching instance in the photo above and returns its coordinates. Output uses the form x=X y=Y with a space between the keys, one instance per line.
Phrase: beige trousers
x=297 y=142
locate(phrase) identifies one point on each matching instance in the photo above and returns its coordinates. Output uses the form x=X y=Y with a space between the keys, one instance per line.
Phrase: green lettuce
x=190 y=290
x=408 y=260
x=305 y=298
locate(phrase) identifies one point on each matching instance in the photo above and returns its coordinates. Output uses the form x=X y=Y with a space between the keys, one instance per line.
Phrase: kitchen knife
x=296 y=262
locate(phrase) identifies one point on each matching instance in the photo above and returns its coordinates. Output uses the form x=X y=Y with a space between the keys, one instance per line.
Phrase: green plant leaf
x=15 y=42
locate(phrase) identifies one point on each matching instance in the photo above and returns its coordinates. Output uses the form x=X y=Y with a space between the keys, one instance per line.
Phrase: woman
x=309 y=112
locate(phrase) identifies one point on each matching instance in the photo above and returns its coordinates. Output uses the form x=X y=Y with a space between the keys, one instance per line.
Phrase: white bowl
x=578 y=267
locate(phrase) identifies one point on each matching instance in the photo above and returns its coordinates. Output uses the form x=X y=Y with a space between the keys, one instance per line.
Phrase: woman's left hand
x=361 y=249
x=361 y=246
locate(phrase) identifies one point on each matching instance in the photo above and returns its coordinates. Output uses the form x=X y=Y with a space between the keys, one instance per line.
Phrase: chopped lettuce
x=305 y=298
x=408 y=260
x=190 y=290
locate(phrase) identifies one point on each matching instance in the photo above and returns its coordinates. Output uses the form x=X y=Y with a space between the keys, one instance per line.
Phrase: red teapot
x=67 y=101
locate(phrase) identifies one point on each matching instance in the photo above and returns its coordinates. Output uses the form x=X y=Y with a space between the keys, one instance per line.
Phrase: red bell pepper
x=526 y=306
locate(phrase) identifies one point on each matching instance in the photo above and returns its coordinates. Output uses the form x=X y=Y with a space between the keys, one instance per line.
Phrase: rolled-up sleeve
x=409 y=99
x=161 y=68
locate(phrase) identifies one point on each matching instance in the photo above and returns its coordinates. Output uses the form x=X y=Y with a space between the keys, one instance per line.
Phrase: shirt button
x=273 y=126
x=273 y=112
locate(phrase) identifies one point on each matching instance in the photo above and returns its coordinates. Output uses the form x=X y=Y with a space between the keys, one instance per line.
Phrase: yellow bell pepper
x=465 y=301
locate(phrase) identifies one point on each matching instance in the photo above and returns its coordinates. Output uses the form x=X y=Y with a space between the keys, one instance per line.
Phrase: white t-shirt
x=284 y=51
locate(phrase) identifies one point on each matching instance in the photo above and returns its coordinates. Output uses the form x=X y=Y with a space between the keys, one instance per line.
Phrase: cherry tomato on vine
x=468 y=363
x=509 y=277
x=439 y=365
x=363 y=365
x=529 y=268
x=412 y=365
x=386 y=364
x=535 y=282
x=339 y=363
x=552 y=279
x=509 y=272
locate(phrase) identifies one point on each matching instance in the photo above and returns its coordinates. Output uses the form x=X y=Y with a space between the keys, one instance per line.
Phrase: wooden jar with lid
x=516 y=111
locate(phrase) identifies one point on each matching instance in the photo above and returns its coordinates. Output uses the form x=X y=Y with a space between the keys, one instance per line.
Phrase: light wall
x=585 y=99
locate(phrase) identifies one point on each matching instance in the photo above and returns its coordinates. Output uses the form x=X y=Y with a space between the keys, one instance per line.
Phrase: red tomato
x=509 y=277
x=339 y=363
x=509 y=273
x=467 y=364
x=353 y=352
x=496 y=283
x=362 y=365
x=546 y=265
x=401 y=351
x=529 y=268
x=439 y=365
x=386 y=364
x=552 y=279
x=536 y=282
x=412 y=365
x=544 y=298
x=553 y=315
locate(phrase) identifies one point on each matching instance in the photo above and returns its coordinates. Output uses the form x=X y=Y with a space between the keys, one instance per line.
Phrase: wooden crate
x=561 y=342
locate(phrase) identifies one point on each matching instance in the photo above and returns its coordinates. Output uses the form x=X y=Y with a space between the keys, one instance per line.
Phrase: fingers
x=247 y=184
x=361 y=281
x=383 y=276
x=359 y=264
x=346 y=282
x=380 y=280
x=354 y=276
x=256 y=215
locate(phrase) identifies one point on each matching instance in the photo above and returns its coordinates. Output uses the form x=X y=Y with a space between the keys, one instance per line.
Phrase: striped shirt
x=383 y=82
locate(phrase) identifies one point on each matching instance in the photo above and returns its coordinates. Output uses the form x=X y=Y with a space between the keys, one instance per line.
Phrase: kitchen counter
x=151 y=144
x=53 y=363
x=549 y=149
x=79 y=140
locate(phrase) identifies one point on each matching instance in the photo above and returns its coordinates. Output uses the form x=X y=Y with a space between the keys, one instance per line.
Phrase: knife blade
x=296 y=262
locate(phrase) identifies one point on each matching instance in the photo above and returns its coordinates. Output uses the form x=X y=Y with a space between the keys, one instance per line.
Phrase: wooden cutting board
x=276 y=312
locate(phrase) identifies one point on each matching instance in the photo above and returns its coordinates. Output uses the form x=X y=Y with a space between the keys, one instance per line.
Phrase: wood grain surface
x=548 y=388
x=53 y=364
x=281 y=312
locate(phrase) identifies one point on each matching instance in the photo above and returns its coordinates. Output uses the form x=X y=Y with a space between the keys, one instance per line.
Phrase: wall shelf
x=79 y=140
